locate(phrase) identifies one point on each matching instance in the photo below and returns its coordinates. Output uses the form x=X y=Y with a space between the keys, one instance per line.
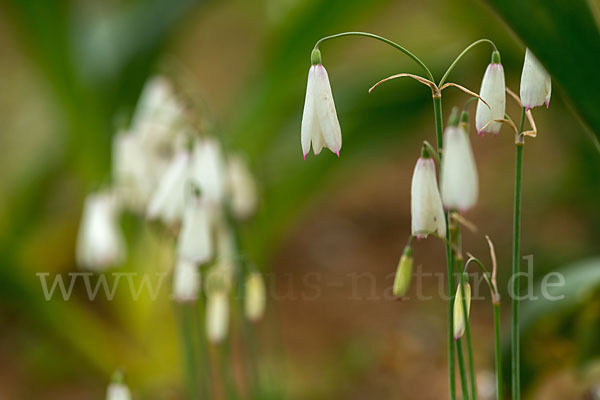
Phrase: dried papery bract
x=493 y=92
x=427 y=213
x=536 y=85
x=459 y=180
x=320 y=125
x=100 y=242
x=403 y=273
x=255 y=301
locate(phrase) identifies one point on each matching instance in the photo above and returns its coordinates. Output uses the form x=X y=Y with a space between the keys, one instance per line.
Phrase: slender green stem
x=472 y=379
x=498 y=351
x=461 y=369
x=465 y=51
x=439 y=135
x=382 y=39
x=516 y=384
x=189 y=349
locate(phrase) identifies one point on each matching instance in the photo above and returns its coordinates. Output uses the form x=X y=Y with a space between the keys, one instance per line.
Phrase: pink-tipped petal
x=547 y=104
x=338 y=153
x=304 y=155
x=527 y=108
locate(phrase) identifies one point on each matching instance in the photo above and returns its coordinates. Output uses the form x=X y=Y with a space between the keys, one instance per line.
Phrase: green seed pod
x=403 y=273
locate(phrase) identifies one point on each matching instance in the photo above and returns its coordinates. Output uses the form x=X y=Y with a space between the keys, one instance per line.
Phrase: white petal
x=328 y=120
x=167 y=202
x=426 y=205
x=208 y=170
x=536 y=85
x=254 y=305
x=100 y=243
x=186 y=281
x=118 y=391
x=242 y=188
x=459 y=182
x=217 y=316
x=493 y=91
x=195 y=241
x=310 y=125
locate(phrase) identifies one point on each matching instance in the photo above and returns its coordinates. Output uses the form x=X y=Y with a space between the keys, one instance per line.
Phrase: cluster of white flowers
x=164 y=170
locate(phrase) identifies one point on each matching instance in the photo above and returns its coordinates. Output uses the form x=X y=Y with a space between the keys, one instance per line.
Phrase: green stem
x=439 y=132
x=461 y=369
x=472 y=379
x=465 y=51
x=516 y=385
x=382 y=39
x=498 y=351
x=189 y=349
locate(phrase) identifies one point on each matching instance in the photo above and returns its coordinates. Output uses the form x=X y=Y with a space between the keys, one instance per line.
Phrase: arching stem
x=465 y=51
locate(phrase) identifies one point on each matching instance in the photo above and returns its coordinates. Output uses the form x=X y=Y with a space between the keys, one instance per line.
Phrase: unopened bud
x=403 y=273
x=459 y=316
x=254 y=305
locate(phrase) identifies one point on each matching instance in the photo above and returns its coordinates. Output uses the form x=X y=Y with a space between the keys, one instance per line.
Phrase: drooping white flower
x=186 y=281
x=135 y=171
x=195 y=242
x=208 y=169
x=459 y=316
x=459 y=182
x=493 y=91
x=255 y=301
x=100 y=242
x=118 y=391
x=167 y=201
x=536 y=85
x=217 y=316
x=320 y=125
x=242 y=188
x=427 y=213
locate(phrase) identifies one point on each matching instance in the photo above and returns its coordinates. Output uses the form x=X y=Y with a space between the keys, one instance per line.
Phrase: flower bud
x=217 y=316
x=186 y=281
x=403 y=273
x=493 y=91
x=100 y=243
x=320 y=125
x=242 y=188
x=117 y=389
x=427 y=213
x=459 y=182
x=254 y=305
x=536 y=86
x=459 y=316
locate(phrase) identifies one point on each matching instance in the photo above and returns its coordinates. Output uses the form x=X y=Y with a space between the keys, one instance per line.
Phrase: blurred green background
x=71 y=73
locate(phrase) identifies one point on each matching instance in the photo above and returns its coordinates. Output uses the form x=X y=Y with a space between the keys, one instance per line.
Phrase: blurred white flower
x=427 y=213
x=536 y=85
x=242 y=188
x=186 y=281
x=493 y=91
x=255 y=301
x=118 y=391
x=208 y=169
x=217 y=316
x=167 y=201
x=320 y=125
x=195 y=242
x=459 y=316
x=100 y=243
x=459 y=182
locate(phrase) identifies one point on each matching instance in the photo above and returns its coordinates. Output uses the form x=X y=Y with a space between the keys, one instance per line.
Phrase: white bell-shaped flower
x=208 y=169
x=493 y=91
x=536 y=85
x=167 y=201
x=217 y=316
x=242 y=188
x=186 y=281
x=117 y=389
x=100 y=242
x=459 y=181
x=427 y=213
x=195 y=242
x=320 y=125
x=459 y=315
x=255 y=301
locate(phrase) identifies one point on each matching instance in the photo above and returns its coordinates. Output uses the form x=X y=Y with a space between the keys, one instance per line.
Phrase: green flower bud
x=403 y=273
x=459 y=317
